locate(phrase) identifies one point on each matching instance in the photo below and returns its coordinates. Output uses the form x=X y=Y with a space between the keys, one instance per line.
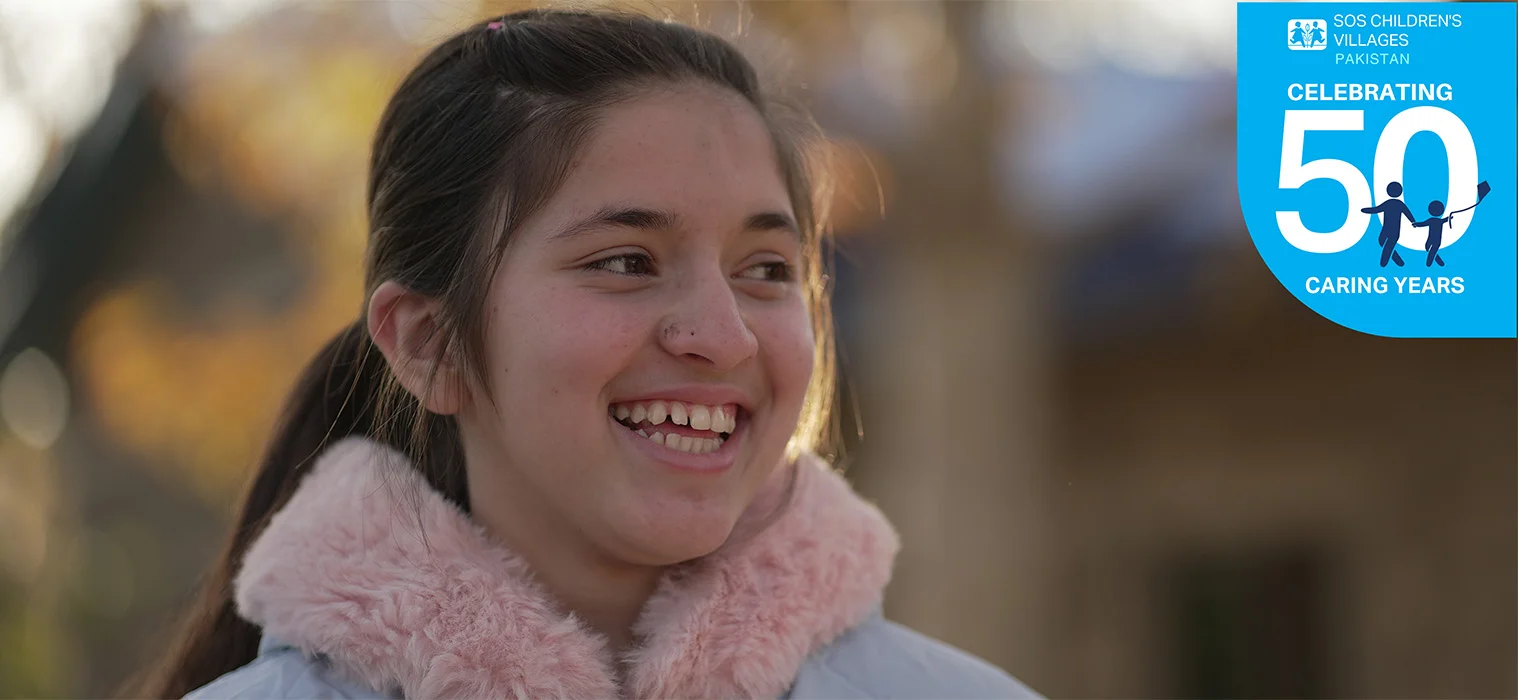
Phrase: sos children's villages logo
x=1377 y=161
x=1305 y=35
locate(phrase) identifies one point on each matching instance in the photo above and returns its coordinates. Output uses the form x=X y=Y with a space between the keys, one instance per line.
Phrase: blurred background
x=1125 y=462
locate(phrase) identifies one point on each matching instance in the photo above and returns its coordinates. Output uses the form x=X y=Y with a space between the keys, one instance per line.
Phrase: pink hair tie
x=495 y=24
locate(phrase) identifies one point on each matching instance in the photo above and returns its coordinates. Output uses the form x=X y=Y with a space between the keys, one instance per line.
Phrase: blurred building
x=1127 y=462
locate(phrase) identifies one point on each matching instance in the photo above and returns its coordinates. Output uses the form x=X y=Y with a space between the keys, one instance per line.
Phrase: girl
x=579 y=464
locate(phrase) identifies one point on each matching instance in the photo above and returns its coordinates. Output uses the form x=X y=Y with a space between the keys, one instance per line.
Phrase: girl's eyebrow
x=772 y=221
x=656 y=220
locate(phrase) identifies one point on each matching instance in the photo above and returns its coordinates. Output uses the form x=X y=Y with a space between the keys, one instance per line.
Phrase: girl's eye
x=777 y=271
x=631 y=264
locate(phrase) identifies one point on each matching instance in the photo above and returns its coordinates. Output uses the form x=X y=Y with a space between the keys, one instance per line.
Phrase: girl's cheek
x=593 y=330
x=786 y=337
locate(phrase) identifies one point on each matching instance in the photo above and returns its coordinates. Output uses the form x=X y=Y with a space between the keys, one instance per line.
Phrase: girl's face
x=657 y=292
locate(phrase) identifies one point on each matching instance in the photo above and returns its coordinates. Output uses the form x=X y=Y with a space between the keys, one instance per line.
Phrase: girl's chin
x=670 y=535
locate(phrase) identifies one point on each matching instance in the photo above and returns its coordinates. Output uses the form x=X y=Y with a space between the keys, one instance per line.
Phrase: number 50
x=1387 y=166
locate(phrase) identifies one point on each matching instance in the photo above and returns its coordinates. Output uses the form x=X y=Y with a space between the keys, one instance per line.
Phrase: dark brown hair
x=476 y=138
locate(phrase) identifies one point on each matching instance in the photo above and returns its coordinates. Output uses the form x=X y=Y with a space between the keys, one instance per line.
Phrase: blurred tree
x=198 y=389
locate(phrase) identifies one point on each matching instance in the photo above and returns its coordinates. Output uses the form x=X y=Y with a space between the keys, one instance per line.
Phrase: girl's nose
x=707 y=325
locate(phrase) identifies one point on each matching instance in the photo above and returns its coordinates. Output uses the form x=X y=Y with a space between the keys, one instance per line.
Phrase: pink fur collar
x=344 y=571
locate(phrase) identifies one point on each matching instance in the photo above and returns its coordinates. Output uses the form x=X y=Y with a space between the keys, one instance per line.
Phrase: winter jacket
x=368 y=584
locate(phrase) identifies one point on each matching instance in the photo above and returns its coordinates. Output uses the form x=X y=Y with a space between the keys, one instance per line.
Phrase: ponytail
x=337 y=395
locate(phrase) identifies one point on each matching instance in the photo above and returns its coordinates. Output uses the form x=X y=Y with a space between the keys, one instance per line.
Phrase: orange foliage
x=284 y=123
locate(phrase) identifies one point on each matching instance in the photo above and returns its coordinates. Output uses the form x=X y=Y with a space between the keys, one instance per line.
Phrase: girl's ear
x=407 y=328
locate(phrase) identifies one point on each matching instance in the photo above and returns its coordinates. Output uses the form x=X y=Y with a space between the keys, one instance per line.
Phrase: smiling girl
x=567 y=449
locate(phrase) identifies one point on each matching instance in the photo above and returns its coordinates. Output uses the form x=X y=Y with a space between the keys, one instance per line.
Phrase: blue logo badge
x=1377 y=161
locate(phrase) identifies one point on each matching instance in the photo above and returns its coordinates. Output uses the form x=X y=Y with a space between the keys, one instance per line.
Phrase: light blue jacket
x=876 y=659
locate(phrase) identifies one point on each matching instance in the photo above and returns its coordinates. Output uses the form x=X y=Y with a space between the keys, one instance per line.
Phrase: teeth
x=717 y=419
x=640 y=432
x=701 y=418
x=685 y=444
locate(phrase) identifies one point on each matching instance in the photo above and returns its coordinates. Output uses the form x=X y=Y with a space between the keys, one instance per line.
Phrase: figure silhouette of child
x=1391 y=210
x=1297 y=34
x=1435 y=224
x=1316 y=36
